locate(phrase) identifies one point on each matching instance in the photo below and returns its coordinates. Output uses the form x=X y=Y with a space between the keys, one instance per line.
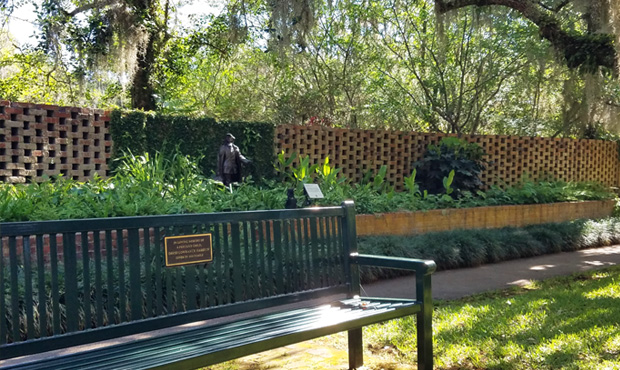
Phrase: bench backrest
x=71 y=282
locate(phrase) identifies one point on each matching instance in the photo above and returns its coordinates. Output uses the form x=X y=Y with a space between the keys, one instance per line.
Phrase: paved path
x=453 y=284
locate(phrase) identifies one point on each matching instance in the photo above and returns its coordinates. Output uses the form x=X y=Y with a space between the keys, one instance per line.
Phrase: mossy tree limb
x=585 y=51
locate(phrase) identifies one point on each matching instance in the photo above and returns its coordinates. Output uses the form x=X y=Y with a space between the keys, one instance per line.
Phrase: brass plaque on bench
x=188 y=249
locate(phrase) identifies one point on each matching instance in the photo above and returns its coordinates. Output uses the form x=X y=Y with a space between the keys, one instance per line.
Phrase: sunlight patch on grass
x=464 y=319
x=609 y=291
x=462 y=355
x=561 y=344
x=565 y=323
x=532 y=285
x=611 y=346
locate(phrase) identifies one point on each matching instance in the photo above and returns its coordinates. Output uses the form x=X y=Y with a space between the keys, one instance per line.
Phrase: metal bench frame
x=297 y=256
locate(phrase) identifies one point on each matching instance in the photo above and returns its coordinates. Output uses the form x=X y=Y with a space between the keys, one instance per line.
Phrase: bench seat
x=203 y=346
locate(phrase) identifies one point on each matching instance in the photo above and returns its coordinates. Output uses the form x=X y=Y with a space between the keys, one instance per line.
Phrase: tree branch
x=587 y=51
x=557 y=8
x=93 y=5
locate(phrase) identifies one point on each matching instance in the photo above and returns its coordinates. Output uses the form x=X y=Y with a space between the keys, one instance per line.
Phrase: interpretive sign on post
x=188 y=249
x=313 y=191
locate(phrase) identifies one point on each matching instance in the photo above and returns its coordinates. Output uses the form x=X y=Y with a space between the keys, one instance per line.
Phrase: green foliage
x=590 y=51
x=302 y=174
x=328 y=176
x=127 y=130
x=365 y=65
x=454 y=163
x=562 y=323
x=282 y=165
x=141 y=132
x=447 y=183
x=535 y=192
x=467 y=248
x=174 y=183
x=410 y=184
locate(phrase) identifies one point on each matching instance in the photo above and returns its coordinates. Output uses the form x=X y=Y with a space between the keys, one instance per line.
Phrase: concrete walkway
x=453 y=284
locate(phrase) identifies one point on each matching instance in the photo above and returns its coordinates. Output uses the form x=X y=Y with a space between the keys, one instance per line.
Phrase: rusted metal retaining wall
x=412 y=223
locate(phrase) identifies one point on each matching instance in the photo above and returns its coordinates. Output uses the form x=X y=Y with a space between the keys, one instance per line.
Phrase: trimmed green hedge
x=469 y=248
x=200 y=137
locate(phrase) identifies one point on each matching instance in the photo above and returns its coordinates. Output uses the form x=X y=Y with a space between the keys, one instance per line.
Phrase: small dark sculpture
x=229 y=161
x=291 y=202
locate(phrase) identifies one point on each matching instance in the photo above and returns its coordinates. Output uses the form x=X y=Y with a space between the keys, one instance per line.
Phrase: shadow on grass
x=570 y=322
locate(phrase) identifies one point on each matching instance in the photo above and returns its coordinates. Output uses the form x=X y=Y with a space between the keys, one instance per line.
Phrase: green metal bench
x=69 y=283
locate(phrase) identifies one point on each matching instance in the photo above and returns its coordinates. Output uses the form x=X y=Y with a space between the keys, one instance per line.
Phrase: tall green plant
x=451 y=154
x=302 y=173
x=282 y=165
x=329 y=176
x=410 y=184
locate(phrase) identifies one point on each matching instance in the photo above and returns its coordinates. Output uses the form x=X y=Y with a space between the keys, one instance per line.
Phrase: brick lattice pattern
x=357 y=151
x=37 y=141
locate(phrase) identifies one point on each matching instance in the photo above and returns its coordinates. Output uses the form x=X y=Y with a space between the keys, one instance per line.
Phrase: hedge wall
x=141 y=132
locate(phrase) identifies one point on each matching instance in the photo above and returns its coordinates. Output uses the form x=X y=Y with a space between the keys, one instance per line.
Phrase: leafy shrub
x=534 y=192
x=452 y=154
x=168 y=184
x=550 y=238
x=199 y=137
x=465 y=248
x=471 y=253
x=493 y=246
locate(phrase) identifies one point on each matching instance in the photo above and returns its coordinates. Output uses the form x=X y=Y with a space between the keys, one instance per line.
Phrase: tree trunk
x=142 y=93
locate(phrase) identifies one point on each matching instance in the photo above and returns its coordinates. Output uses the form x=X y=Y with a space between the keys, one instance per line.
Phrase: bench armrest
x=424 y=267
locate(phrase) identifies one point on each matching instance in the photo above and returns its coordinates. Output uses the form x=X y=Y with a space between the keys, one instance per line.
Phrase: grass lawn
x=564 y=323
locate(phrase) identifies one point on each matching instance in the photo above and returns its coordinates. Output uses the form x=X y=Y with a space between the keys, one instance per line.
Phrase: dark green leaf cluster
x=201 y=137
x=171 y=184
x=590 y=51
x=451 y=154
x=467 y=248
x=531 y=192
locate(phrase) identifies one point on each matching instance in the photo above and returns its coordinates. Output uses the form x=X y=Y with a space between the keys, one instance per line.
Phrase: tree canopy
x=588 y=45
x=544 y=67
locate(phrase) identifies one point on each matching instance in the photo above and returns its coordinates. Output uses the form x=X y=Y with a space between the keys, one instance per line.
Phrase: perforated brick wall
x=510 y=157
x=38 y=141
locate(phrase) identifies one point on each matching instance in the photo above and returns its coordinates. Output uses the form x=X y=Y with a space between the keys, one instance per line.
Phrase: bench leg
x=425 y=341
x=356 y=349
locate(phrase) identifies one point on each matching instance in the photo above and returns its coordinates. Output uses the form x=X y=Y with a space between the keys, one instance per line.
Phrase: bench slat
x=196 y=347
x=104 y=279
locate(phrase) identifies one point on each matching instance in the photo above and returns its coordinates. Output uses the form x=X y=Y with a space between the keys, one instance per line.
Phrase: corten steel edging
x=488 y=217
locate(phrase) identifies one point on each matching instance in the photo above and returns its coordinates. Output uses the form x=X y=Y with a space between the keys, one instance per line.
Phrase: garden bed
x=420 y=222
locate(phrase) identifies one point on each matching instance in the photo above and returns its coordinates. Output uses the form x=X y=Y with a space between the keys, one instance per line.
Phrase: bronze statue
x=229 y=160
